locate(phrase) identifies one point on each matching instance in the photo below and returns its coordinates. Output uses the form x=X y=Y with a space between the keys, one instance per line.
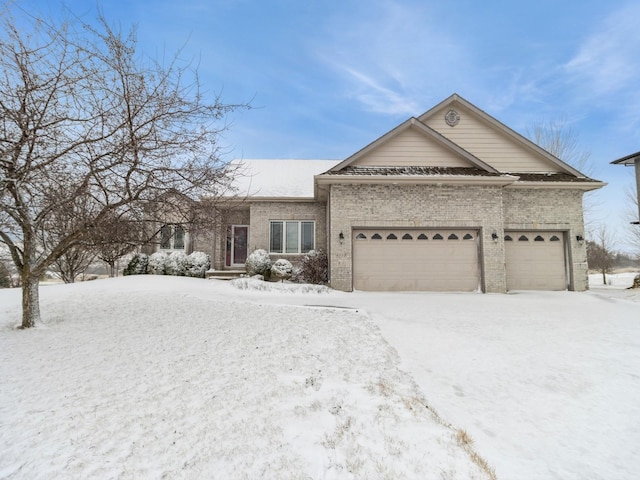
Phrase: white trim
x=233 y=246
x=299 y=250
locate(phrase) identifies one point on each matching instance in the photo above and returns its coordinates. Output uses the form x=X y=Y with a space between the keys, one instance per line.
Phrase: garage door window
x=291 y=236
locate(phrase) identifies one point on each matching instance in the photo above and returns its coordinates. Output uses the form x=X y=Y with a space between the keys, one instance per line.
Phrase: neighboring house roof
x=273 y=179
x=628 y=160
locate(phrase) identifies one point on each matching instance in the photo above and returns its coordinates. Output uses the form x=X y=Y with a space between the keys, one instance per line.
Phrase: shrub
x=176 y=264
x=258 y=263
x=282 y=269
x=313 y=268
x=158 y=263
x=197 y=265
x=138 y=265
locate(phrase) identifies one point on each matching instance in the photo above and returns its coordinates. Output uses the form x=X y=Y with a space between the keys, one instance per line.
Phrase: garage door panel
x=535 y=261
x=415 y=261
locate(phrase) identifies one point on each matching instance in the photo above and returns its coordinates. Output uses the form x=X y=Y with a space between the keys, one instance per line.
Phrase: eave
x=256 y=199
x=629 y=160
x=584 y=186
x=325 y=180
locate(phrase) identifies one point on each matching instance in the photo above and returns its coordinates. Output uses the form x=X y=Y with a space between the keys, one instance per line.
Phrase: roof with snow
x=278 y=178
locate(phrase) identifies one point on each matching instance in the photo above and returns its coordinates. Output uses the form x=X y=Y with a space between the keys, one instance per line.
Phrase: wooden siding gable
x=492 y=141
x=413 y=144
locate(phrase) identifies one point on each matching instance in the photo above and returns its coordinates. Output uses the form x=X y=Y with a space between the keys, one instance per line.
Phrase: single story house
x=451 y=200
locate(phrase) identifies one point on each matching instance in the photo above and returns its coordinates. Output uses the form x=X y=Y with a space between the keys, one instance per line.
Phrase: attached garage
x=392 y=259
x=535 y=260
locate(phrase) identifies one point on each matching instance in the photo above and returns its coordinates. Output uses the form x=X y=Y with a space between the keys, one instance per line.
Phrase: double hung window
x=172 y=237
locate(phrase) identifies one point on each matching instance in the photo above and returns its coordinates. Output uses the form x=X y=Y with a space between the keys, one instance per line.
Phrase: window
x=453 y=236
x=407 y=236
x=523 y=238
x=392 y=236
x=291 y=236
x=376 y=236
x=538 y=239
x=554 y=239
x=172 y=237
x=468 y=236
x=361 y=236
x=422 y=236
x=437 y=236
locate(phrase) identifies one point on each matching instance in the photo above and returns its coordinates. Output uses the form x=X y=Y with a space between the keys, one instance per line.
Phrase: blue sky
x=326 y=78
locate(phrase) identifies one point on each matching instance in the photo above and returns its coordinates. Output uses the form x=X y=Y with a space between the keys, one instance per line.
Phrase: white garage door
x=535 y=260
x=415 y=260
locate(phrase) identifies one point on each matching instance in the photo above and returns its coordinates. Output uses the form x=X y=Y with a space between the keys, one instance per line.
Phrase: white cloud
x=607 y=62
x=391 y=57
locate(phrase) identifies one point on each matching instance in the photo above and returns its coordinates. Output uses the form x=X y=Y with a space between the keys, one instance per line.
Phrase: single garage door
x=535 y=260
x=415 y=260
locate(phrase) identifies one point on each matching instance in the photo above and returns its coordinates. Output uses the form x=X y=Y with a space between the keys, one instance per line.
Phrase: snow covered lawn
x=167 y=377
x=149 y=376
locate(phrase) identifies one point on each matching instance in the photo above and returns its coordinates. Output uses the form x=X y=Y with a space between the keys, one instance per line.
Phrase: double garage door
x=415 y=260
x=388 y=259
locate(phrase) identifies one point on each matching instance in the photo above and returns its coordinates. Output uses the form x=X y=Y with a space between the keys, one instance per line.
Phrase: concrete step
x=224 y=274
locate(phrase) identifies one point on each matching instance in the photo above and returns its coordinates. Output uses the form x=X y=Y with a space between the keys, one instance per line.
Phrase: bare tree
x=84 y=116
x=563 y=142
x=600 y=255
x=73 y=262
x=632 y=214
x=117 y=236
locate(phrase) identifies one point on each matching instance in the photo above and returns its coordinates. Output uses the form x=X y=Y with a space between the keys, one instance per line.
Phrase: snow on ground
x=166 y=377
x=140 y=377
x=546 y=383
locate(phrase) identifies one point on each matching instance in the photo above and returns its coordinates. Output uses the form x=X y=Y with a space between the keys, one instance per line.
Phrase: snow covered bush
x=197 y=264
x=137 y=265
x=258 y=263
x=176 y=264
x=313 y=268
x=158 y=263
x=282 y=269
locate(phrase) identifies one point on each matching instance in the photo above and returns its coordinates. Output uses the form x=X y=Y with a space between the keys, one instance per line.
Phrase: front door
x=237 y=241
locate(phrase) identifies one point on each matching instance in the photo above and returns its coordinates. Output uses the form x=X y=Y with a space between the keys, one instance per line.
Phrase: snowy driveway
x=546 y=383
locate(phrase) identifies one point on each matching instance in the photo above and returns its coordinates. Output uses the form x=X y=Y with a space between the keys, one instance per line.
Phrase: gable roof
x=430 y=133
x=512 y=135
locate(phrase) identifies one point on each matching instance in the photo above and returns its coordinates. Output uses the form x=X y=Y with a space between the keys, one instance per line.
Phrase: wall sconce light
x=494 y=236
x=341 y=237
x=580 y=239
